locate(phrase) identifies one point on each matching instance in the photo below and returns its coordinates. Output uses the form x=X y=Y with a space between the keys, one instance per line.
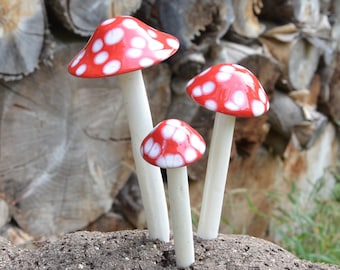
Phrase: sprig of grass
x=309 y=230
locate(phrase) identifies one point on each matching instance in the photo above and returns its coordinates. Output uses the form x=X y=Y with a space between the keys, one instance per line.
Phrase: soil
x=134 y=250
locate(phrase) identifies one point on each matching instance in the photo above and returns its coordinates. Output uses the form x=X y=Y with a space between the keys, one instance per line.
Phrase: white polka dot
x=113 y=36
x=155 y=45
x=138 y=42
x=81 y=69
x=222 y=76
x=170 y=161
x=146 y=62
x=101 y=57
x=197 y=91
x=197 y=143
x=108 y=21
x=155 y=150
x=147 y=146
x=179 y=136
x=190 y=155
x=208 y=87
x=173 y=43
x=267 y=106
x=152 y=33
x=231 y=106
x=227 y=68
x=247 y=78
x=162 y=54
x=257 y=107
x=239 y=98
x=134 y=53
x=262 y=95
x=168 y=131
x=211 y=105
x=174 y=122
x=97 y=45
x=130 y=24
x=111 y=67
x=78 y=58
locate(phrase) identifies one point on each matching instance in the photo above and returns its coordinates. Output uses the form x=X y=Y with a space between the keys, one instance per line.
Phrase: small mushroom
x=231 y=91
x=124 y=46
x=172 y=145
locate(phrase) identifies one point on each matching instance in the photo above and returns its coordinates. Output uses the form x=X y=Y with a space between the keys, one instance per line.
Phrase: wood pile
x=64 y=142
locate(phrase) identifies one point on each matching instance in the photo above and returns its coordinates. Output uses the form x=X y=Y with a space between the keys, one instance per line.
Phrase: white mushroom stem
x=180 y=211
x=216 y=176
x=149 y=177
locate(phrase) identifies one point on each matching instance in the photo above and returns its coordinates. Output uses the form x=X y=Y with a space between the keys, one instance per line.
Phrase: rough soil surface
x=133 y=250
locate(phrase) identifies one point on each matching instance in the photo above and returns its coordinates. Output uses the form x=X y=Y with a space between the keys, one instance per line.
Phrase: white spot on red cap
x=173 y=122
x=101 y=57
x=231 y=106
x=239 y=98
x=208 y=87
x=113 y=36
x=108 y=21
x=134 y=53
x=168 y=131
x=152 y=33
x=228 y=68
x=247 y=79
x=81 y=69
x=162 y=54
x=173 y=43
x=170 y=161
x=222 y=76
x=197 y=143
x=211 y=105
x=111 y=67
x=130 y=24
x=197 y=91
x=155 y=45
x=257 y=107
x=155 y=150
x=179 y=136
x=138 y=42
x=146 y=62
x=262 y=95
x=190 y=155
x=78 y=58
x=97 y=45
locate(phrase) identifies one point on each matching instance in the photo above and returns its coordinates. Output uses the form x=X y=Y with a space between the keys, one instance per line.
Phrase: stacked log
x=64 y=142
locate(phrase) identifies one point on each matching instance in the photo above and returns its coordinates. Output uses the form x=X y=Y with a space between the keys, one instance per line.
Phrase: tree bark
x=246 y=22
x=297 y=11
x=83 y=16
x=23 y=37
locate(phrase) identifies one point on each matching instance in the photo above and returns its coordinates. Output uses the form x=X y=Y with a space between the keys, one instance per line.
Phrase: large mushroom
x=124 y=46
x=172 y=145
x=231 y=91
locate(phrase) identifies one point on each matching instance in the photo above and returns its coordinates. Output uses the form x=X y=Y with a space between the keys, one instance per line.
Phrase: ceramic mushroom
x=231 y=91
x=124 y=46
x=172 y=145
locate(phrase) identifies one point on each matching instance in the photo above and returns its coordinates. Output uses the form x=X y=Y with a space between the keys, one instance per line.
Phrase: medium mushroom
x=124 y=46
x=172 y=145
x=231 y=91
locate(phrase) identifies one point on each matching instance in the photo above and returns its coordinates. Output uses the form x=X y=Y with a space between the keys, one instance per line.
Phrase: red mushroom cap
x=229 y=89
x=120 y=45
x=172 y=144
